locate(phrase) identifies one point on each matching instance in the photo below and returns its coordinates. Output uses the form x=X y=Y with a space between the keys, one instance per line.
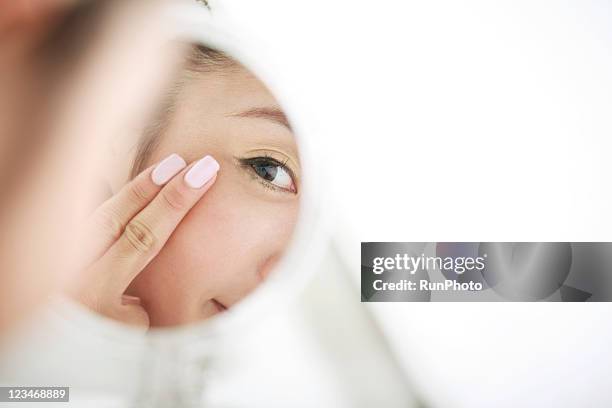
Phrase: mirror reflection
x=207 y=204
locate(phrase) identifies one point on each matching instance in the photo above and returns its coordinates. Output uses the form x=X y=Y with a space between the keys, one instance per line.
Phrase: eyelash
x=248 y=162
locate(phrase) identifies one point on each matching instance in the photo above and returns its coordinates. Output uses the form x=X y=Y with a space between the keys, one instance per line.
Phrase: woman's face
x=231 y=239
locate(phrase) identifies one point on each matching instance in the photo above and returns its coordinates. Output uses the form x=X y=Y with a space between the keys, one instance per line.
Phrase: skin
x=49 y=100
x=125 y=233
x=243 y=225
x=232 y=237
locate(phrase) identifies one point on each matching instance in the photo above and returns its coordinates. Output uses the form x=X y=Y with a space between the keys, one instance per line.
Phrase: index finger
x=108 y=221
x=146 y=234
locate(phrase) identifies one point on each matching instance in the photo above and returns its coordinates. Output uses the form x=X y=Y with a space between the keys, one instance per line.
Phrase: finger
x=128 y=312
x=133 y=314
x=130 y=300
x=62 y=140
x=148 y=231
x=16 y=13
x=108 y=222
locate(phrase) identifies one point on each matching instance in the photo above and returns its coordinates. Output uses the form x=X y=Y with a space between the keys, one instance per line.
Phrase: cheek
x=222 y=247
x=236 y=234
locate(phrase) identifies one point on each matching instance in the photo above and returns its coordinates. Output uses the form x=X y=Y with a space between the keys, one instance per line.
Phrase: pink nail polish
x=167 y=169
x=201 y=172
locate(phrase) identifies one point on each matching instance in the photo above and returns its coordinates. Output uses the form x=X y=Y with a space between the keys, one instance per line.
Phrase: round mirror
x=202 y=200
x=206 y=213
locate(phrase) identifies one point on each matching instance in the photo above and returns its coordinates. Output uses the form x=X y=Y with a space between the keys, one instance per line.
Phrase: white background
x=459 y=121
x=426 y=121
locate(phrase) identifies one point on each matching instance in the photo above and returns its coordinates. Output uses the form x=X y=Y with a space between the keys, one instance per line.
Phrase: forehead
x=225 y=91
x=229 y=108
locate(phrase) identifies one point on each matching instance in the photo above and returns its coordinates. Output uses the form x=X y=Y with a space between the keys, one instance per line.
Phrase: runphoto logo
x=412 y=264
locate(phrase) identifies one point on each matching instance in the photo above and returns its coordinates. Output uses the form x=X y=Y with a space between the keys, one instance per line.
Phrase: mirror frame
x=194 y=22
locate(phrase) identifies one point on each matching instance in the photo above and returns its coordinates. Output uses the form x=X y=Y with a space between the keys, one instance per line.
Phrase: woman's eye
x=275 y=174
x=271 y=172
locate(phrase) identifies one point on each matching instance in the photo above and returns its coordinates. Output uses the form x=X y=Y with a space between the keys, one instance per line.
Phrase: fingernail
x=130 y=300
x=201 y=172
x=167 y=169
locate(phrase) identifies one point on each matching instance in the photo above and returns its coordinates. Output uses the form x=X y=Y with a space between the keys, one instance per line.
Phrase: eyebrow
x=269 y=113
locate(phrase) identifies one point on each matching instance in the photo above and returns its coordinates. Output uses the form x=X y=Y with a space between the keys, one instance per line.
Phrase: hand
x=66 y=90
x=128 y=231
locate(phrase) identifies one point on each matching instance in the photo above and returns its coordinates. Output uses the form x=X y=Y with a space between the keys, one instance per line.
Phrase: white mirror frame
x=192 y=22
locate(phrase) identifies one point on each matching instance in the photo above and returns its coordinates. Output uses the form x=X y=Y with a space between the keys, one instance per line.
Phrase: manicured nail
x=167 y=169
x=201 y=172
